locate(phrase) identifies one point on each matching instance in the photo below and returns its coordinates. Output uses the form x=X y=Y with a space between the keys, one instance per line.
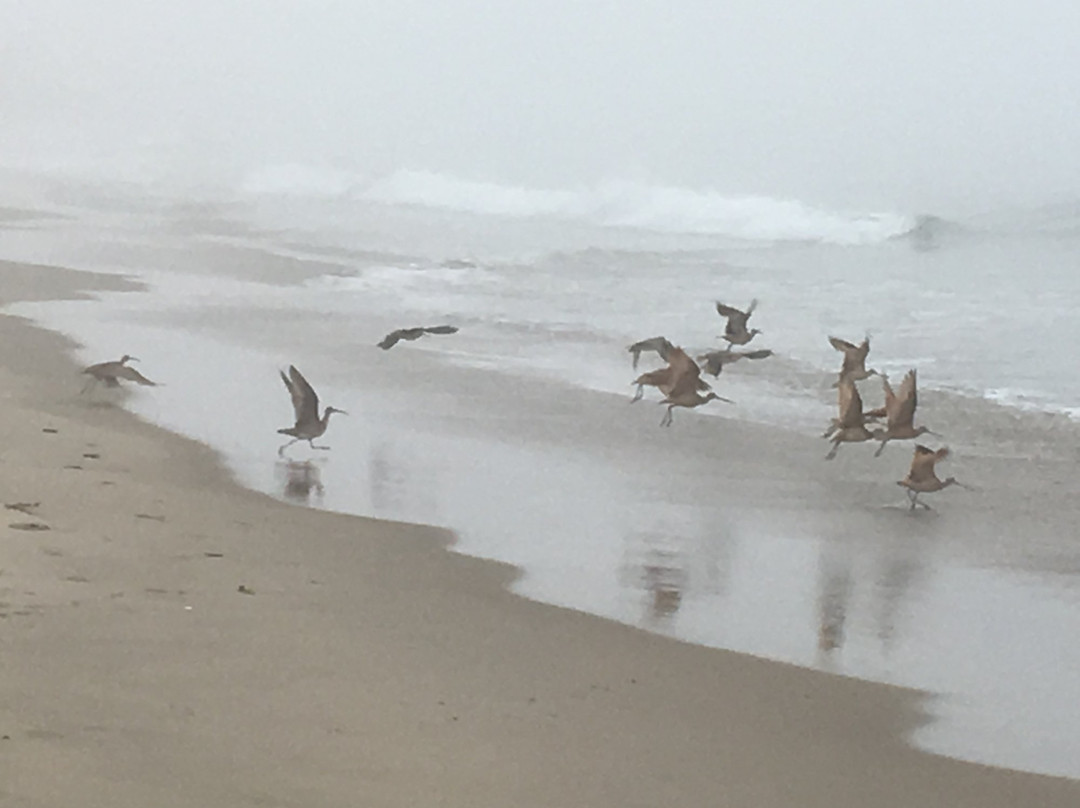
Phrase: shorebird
x=850 y=427
x=900 y=412
x=845 y=418
x=735 y=331
x=112 y=372
x=684 y=391
x=664 y=379
x=658 y=344
x=689 y=398
x=715 y=360
x=921 y=479
x=306 y=404
x=394 y=337
x=680 y=366
x=854 y=367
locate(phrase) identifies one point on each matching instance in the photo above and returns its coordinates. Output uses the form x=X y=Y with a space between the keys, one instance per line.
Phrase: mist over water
x=902 y=107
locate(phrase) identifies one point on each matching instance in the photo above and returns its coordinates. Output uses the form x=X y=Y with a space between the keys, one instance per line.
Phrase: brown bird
x=850 y=427
x=735 y=331
x=844 y=402
x=110 y=373
x=684 y=392
x=716 y=360
x=689 y=398
x=305 y=403
x=921 y=479
x=658 y=344
x=680 y=366
x=854 y=367
x=394 y=337
x=900 y=412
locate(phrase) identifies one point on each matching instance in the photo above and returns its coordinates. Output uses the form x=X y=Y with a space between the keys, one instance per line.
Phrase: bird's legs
x=640 y=392
x=913 y=498
x=881 y=448
x=832 y=452
x=313 y=446
x=284 y=446
x=666 y=420
x=91 y=383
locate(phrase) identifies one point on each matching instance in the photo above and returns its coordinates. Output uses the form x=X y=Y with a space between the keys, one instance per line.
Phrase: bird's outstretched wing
x=305 y=400
x=732 y=313
x=129 y=373
x=392 y=339
x=659 y=344
x=841 y=345
x=762 y=354
x=922 y=463
x=903 y=408
x=442 y=329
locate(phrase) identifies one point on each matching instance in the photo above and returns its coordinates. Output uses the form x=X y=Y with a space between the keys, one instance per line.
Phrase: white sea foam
x=613 y=204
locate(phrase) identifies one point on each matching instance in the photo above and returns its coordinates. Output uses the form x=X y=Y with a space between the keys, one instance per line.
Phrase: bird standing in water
x=306 y=405
x=922 y=479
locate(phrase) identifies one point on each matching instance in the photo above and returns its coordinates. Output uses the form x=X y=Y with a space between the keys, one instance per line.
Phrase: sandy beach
x=172 y=639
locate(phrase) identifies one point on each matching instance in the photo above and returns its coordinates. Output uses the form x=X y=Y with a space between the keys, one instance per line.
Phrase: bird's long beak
x=134 y=359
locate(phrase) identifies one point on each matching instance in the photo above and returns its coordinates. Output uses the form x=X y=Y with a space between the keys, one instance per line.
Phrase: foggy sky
x=923 y=104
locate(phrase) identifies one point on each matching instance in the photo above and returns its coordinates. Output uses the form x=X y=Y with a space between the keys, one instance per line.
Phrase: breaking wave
x=612 y=204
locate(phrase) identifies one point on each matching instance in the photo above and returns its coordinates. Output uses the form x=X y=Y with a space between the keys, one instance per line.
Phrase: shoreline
x=428 y=682
x=428 y=443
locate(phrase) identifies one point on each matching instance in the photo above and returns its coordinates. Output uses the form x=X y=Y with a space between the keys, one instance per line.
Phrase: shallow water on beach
x=603 y=528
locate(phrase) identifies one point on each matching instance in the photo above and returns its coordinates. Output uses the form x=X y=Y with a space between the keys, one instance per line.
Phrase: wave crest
x=612 y=204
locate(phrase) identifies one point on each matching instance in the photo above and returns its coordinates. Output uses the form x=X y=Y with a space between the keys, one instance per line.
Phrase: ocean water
x=549 y=286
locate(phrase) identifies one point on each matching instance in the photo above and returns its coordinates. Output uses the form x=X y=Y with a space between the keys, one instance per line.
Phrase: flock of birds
x=682 y=385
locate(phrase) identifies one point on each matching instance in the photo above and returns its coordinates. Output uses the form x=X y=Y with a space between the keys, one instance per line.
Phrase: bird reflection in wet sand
x=301 y=480
x=659 y=571
x=405 y=483
x=834 y=594
x=901 y=575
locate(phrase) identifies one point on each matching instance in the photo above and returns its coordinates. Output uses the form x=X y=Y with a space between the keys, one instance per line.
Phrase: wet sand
x=176 y=640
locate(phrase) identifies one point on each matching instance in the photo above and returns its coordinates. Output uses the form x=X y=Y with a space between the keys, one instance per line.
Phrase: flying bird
x=921 y=479
x=112 y=372
x=716 y=360
x=735 y=331
x=854 y=367
x=394 y=337
x=680 y=366
x=900 y=412
x=850 y=426
x=305 y=403
x=689 y=398
x=685 y=389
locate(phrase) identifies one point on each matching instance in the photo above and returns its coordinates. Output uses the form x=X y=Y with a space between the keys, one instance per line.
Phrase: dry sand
x=362 y=663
